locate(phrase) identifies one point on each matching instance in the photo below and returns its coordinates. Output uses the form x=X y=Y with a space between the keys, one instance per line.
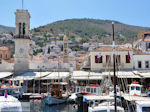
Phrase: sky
x=133 y=12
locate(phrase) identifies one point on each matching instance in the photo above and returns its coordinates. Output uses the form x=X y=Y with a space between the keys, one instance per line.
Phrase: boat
x=9 y=103
x=135 y=89
x=57 y=95
x=142 y=106
x=111 y=91
x=13 y=90
x=58 y=91
x=105 y=107
x=91 y=89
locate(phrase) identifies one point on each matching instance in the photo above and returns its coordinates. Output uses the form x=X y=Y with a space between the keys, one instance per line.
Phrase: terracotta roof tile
x=109 y=48
x=4 y=48
x=139 y=52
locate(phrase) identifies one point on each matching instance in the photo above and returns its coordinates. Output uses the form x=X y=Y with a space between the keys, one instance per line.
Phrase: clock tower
x=22 y=41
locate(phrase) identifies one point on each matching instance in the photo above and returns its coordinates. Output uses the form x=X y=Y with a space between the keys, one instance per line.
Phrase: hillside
x=6 y=29
x=91 y=27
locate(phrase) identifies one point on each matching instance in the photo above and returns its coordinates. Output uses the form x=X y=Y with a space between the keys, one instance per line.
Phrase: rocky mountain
x=6 y=29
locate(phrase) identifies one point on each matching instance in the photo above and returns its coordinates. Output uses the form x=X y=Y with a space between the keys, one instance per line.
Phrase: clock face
x=21 y=50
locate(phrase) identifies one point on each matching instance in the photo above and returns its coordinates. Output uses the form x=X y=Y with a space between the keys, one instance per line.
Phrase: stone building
x=22 y=41
x=5 y=53
x=105 y=62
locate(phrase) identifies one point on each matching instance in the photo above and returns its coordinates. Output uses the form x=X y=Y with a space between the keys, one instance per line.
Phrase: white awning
x=56 y=75
x=5 y=74
x=122 y=74
x=97 y=97
x=127 y=74
x=145 y=75
x=135 y=98
x=31 y=76
x=84 y=75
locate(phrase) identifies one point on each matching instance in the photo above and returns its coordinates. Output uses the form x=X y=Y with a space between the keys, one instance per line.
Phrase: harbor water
x=39 y=106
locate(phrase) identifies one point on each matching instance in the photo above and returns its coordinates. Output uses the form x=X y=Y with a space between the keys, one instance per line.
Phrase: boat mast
x=114 y=63
x=58 y=75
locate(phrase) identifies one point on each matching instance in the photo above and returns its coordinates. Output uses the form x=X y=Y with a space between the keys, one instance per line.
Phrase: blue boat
x=49 y=100
x=57 y=95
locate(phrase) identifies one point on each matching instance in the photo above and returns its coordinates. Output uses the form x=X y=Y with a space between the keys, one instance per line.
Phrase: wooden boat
x=57 y=95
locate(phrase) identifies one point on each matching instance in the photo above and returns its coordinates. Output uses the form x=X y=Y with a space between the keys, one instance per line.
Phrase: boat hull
x=53 y=101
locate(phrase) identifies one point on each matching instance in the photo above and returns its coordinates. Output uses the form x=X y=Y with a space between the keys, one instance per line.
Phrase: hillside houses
x=143 y=42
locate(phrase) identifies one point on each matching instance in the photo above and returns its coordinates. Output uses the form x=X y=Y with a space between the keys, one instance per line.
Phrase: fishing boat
x=58 y=91
x=105 y=107
x=57 y=95
x=91 y=89
x=142 y=106
x=135 y=89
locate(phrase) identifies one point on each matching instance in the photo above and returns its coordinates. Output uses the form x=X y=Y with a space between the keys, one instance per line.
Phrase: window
x=138 y=88
x=139 y=64
x=19 y=28
x=108 y=59
x=100 y=111
x=91 y=90
x=24 y=29
x=132 y=88
x=78 y=90
x=94 y=90
x=127 y=59
x=117 y=111
x=146 y=64
x=99 y=60
x=147 y=45
x=145 y=109
x=118 y=59
x=88 y=90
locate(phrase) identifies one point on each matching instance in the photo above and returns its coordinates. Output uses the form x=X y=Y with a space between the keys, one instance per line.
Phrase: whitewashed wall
x=5 y=66
x=141 y=58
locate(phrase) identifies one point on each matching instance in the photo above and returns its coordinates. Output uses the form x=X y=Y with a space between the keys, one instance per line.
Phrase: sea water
x=39 y=106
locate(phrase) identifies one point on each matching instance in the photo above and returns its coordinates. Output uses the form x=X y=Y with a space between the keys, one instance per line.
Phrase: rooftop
x=109 y=48
x=4 y=48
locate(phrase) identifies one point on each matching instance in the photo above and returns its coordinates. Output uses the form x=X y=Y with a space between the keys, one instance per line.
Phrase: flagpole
x=114 y=64
x=22 y=4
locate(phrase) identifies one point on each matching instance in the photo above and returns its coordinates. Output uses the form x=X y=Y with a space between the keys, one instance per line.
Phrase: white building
x=141 y=60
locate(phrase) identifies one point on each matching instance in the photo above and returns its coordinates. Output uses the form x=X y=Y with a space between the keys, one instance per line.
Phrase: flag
x=129 y=56
x=118 y=100
x=99 y=55
x=85 y=99
x=5 y=94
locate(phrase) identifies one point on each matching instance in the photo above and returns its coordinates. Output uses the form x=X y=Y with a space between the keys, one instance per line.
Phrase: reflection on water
x=39 y=106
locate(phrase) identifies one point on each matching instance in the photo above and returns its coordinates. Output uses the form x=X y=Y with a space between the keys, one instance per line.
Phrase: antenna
x=22 y=4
